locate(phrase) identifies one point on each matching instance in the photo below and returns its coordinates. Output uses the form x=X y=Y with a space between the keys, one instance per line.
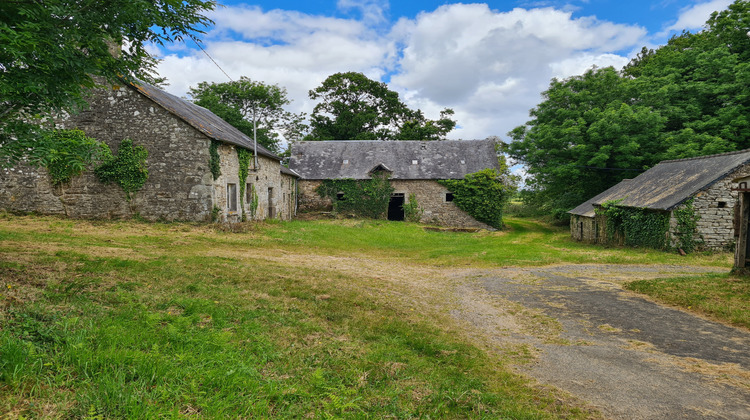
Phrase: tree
x=255 y=108
x=51 y=52
x=354 y=107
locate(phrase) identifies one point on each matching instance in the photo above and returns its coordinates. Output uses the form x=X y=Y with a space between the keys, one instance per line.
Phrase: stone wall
x=430 y=195
x=179 y=185
x=715 y=206
x=584 y=228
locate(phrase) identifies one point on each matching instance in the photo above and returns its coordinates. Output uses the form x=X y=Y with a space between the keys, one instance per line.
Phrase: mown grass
x=134 y=320
x=720 y=296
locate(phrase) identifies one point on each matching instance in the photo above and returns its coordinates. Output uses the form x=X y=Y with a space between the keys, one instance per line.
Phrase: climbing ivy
x=243 y=156
x=127 y=169
x=636 y=226
x=412 y=211
x=687 y=223
x=482 y=195
x=66 y=153
x=359 y=197
x=253 y=202
x=214 y=162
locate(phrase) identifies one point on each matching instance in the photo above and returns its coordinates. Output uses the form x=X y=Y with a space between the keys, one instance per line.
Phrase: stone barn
x=706 y=182
x=178 y=136
x=414 y=167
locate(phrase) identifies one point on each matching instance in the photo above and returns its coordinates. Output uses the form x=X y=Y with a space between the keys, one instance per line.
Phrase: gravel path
x=627 y=356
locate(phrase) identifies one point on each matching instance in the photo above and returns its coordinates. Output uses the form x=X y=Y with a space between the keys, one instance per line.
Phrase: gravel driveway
x=625 y=355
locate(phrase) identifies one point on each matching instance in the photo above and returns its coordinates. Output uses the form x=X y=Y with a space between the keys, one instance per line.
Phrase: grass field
x=306 y=319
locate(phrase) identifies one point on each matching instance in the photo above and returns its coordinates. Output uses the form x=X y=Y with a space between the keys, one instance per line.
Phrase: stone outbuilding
x=178 y=136
x=414 y=167
x=707 y=182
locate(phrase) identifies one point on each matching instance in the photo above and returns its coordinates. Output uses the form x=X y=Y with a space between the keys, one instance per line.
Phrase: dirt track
x=625 y=355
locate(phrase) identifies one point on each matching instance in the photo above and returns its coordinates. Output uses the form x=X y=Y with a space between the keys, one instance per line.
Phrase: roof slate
x=200 y=118
x=355 y=159
x=671 y=182
x=587 y=208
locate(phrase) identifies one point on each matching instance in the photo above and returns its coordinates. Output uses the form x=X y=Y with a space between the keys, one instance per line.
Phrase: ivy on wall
x=127 y=169
x=636 y=226
x=412 y=211
x=253 y=202
x=359 y=197
x=482 y=195
x=66 y=154
x=243 y=156
x=688 y=238
x=214 y=163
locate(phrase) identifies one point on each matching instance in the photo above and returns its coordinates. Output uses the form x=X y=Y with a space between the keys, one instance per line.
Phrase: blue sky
x=488 y=61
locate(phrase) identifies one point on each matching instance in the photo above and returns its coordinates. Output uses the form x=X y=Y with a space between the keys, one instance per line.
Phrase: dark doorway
x=396 y=207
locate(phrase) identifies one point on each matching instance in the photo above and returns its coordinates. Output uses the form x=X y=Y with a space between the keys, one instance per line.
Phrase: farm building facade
x=705 y=183
x=413 y=167
x=178 y=136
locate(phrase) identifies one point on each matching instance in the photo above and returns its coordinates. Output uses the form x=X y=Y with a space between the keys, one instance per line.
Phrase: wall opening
x=448 y=197
x=271 y=206
x=396 y=207
x=722 y=204
x=232 y=197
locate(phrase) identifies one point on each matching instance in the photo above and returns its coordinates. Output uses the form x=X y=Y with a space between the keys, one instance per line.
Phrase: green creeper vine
x=412 y=211
x=636 y=226
x=687 y=223
x=127 y=169
x=214 y=162
x=364 y=198
x=66 y=153
x=253 y=201
x=243 y=156
x=482 y=195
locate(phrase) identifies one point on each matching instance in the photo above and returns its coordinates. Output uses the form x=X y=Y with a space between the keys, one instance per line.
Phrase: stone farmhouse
x=414 y=167
x=668 y=186
x=178 y=136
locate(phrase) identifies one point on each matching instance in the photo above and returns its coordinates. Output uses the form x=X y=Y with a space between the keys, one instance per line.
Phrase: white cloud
x=694 y=17
x=489 y=66
x=373 y=11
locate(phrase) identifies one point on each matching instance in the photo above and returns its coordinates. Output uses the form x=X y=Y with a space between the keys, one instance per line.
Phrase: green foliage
x=255 y=108
x=214 y=163
x=243 y=156
x=360 y=197
x=482 y=194
x=687 y=223
x=354 y=107
x=53 y=50
x=253 y=201
x=636 y=226
x=66 y=153
x=128 y=169
x=412 y=211
x=690 y=97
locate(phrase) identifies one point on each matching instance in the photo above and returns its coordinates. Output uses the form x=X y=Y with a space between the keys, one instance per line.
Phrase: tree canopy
x=688 y=98
x=354 y=107
x=51 y=51
x=247 y=104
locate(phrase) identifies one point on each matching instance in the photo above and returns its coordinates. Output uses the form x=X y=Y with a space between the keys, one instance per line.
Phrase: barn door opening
x=396 y=207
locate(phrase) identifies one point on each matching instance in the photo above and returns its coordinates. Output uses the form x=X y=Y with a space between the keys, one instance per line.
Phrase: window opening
x=232 y=197
x=722 y=204
x=448 y=197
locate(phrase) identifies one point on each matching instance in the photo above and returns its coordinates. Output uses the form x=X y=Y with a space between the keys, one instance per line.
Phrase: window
x=448 y=197
x=346 y=161
x=414 y=162
x=249 y=193
x=339 y=196
x=232 y=197
x=722 y=204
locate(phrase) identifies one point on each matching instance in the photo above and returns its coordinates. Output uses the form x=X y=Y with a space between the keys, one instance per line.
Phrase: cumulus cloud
x=695 y=16
x=489 y=66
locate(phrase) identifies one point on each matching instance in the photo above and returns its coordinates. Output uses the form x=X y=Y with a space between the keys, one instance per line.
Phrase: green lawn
x=137 y=320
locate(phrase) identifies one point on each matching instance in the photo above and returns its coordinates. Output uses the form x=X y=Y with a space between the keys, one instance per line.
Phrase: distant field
x=317 y=319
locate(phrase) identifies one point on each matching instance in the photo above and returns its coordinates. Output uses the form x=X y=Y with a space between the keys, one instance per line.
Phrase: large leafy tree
x=687 y=98
x=51 y=52
x=255 y=108
x=354 y=107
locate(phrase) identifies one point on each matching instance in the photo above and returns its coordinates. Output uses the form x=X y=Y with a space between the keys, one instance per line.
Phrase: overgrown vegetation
x=412 y=212
x=67 y=153
x=359 y=197
x=687 y=223
x=214 y=162
x=127 y=169
x=243 y=157
x=720 y=296
x=482 y=194
x=635 y=226
x=134 y=320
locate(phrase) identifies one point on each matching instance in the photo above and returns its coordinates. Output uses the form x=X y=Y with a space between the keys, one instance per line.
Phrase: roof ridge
x=736 y=152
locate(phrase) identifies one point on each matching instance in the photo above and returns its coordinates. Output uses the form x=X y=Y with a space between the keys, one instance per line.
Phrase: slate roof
x=671 y=182
x=355 y=159
x=200 y=118
x=587 y=208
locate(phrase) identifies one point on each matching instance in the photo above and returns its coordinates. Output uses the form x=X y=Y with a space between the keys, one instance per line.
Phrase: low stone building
x=414 y=167
x=178 y=136
x=706 y=182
